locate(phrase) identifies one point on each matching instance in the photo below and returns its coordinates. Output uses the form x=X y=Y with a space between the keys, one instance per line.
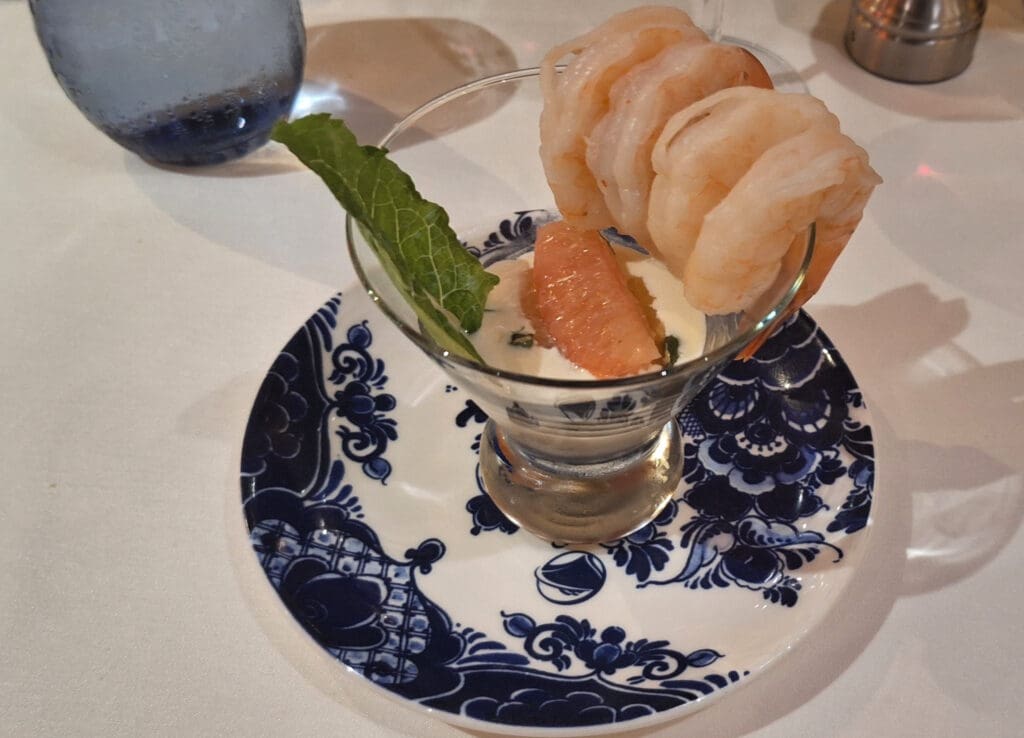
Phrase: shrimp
x=706 y=148
x=641 y=102
x=819 y=176
x=577 y=98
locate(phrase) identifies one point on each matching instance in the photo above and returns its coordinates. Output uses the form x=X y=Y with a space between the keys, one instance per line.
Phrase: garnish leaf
x=411 y=236
x=521 y=339
x=670 y=350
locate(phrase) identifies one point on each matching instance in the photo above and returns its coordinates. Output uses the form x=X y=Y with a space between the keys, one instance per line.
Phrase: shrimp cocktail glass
x=568 y=454
x=587 y=244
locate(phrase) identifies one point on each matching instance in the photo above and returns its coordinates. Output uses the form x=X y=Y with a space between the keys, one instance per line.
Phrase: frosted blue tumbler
x=183 y=82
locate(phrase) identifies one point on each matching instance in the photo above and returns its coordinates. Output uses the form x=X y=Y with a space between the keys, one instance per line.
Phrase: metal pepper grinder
x=914 y=40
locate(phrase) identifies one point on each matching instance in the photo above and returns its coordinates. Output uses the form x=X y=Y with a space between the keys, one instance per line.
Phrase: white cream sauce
x=504 y=316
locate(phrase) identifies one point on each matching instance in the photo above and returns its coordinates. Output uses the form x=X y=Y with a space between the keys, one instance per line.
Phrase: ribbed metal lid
x=931 y=19
x=914 y=40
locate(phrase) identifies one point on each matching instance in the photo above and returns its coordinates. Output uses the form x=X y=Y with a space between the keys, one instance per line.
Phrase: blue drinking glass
x=182 y=82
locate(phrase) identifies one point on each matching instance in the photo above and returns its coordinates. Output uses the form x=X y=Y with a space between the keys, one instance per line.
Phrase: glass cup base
x=574 y=503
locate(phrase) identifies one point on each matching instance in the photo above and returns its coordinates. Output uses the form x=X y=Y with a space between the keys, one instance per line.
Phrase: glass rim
x=428 y=346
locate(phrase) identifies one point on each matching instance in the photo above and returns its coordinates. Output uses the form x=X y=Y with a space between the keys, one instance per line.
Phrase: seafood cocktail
x=614 y=230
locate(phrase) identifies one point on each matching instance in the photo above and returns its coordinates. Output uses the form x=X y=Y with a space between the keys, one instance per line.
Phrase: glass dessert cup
x=572 y=461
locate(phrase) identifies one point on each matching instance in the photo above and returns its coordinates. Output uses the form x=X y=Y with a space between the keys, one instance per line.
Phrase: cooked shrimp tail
x=640 y=103
x=706 y=148
x=576 y=98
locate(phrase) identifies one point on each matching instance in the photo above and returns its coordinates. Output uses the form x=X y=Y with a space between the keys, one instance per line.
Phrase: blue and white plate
x=360 y=487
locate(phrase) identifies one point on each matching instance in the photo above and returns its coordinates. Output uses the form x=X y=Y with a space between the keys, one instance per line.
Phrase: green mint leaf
x=670 y=350
x=521 y=339
x=411 y=235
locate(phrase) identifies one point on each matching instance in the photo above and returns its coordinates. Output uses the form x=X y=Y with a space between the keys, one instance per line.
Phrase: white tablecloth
x=141 y=307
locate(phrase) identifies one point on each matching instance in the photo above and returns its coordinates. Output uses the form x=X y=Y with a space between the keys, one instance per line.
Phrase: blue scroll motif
x=570 y=578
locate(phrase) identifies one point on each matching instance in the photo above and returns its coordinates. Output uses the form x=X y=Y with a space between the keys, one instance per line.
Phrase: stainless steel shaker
x=914 y=40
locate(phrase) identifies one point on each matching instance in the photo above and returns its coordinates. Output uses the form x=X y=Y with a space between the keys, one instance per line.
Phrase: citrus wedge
x=583 y=302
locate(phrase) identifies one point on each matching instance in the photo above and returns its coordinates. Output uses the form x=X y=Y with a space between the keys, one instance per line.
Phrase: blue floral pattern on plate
x=326 y=479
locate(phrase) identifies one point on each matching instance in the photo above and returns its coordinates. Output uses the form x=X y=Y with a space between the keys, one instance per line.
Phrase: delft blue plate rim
x=657 y=690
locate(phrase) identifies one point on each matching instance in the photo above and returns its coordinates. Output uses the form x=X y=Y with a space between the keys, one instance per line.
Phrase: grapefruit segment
x=583 y=302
